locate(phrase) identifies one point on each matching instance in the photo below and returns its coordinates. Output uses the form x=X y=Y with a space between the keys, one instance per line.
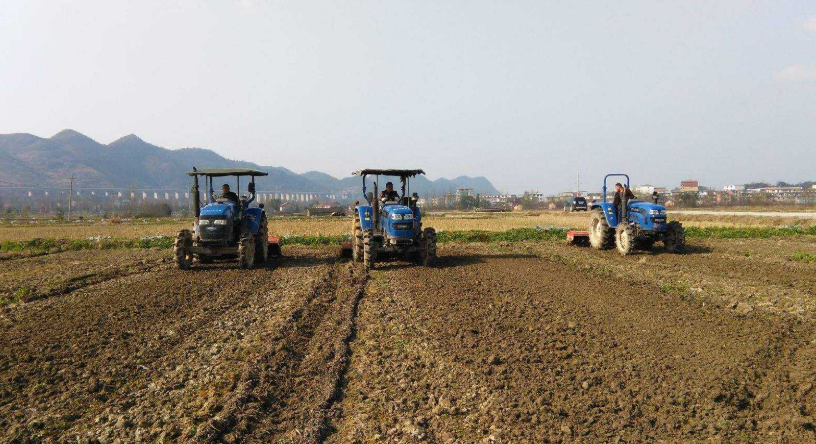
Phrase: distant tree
x=753 y=185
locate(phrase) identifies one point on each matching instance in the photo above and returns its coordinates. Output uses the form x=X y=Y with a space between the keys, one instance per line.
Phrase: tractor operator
x=619 y=193
x=227 y=194
x=388 y=193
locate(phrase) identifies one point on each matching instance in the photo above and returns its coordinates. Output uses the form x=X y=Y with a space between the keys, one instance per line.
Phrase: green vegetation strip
x=514 y=235
x=748 y=233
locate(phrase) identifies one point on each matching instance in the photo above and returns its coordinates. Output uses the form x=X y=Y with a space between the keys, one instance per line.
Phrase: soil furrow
x=85 y=358
x=318 y=426
x=298 y=401
x=284 y=350
x=513 y=349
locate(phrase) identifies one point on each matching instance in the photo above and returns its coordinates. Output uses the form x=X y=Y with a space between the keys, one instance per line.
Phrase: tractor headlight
x=204 y=221
x=395 y=216
x=220 y=221
x=653 y=212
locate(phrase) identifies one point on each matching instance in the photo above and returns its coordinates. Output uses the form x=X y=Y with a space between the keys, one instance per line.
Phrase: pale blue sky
x=527 y=93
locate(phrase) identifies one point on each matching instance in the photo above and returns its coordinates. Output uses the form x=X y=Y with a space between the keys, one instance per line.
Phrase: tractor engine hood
x=646 y=206
x=217 y=209
x=397 y=209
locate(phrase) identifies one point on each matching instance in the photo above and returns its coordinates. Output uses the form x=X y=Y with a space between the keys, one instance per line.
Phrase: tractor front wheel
x=675 y=238
x=246 y=252
x=181 y=249
x=369 y=249
x=357 y=238
x=262 y=242
x=601 y=236
x=624 y=239
x=429 y=247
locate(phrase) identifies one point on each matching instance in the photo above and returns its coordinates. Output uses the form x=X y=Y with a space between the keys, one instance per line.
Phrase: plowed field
x=497 y=343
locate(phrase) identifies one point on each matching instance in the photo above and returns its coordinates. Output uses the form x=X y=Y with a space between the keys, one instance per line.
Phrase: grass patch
x=512 y=235
x=57 y=245
x=748 y=232
x=807 y=258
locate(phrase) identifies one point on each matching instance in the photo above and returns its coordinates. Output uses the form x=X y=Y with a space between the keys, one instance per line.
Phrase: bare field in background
x=328 y=226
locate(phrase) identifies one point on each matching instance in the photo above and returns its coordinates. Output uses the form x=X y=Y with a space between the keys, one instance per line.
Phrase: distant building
x=463 y=192
x=643 y=189
x=734 y=188
x=781 y=190
x=287 y=208
x=324 y=209
x=535 y=196
x=690 y=185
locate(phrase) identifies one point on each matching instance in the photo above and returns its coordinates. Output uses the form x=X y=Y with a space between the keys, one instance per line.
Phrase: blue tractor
x=390 y=226
x=225 y=227
x=636 y=224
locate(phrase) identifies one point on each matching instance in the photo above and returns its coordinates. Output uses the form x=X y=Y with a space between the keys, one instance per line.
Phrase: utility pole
x=578 y=182
x=70 y=197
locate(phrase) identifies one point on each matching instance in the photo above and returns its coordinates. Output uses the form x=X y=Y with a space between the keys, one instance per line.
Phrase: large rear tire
x=182 y=249
x=429 y=247
x=601 y=236
x=675 y=239
x=369 y=250
x=262 y=242
x=357 y=238
x=624 y=239
x=246 y=252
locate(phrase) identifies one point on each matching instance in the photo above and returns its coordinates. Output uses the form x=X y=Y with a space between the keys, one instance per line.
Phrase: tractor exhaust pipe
x=376 y=206
x=196 y=199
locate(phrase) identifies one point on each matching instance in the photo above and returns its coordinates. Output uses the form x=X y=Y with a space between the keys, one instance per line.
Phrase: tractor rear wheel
x=181 y=249
x=357 y=238
x=601 y=236
x=369 y=249
x=429 y=247
x=624 y=239
x=246 y=252
x=262 y=242
x=675 y=238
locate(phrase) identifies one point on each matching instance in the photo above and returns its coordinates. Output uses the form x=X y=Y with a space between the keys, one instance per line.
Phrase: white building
x=643 y=189
x=734 y=188
x=463 y=192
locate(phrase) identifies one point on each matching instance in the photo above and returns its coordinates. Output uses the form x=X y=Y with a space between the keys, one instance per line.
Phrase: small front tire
x=429 y=247
x=675 y=238
x=624 y=239
x=182 y=249
x=369 y=250
x=246 y=252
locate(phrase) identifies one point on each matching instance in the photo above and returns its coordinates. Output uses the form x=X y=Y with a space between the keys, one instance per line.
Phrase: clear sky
x=526 y=93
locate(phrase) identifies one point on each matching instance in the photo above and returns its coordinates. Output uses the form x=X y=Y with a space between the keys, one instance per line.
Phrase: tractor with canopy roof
x=391 y=226
x=223 y=227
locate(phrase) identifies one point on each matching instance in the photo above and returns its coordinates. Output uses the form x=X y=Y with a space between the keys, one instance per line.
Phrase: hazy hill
x=130 y=162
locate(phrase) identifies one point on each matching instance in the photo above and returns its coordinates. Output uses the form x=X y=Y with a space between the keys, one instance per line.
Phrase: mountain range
x=130 y=162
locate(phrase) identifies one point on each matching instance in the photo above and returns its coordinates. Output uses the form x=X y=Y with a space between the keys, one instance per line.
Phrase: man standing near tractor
x=620 y=191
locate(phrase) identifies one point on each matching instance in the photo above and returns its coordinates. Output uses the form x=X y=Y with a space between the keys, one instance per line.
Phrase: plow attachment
x=578 y=238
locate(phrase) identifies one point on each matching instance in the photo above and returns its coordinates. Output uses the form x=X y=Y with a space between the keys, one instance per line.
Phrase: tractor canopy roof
x=220 y=172
x=388 y=172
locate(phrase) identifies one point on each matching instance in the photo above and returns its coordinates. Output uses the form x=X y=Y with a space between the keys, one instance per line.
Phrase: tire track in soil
x=70 y=277
x=290 y=391
x=518 y=349
x=90 y=279
x=242 y=407
x=88 y=354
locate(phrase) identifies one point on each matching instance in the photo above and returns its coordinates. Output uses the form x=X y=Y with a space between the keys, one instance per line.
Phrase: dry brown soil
x=497 y=343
